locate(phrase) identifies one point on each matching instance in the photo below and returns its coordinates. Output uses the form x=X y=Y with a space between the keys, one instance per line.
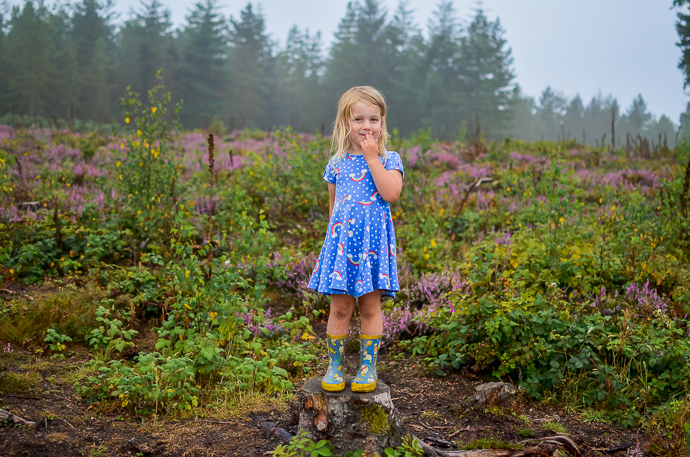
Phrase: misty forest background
x=71 y=63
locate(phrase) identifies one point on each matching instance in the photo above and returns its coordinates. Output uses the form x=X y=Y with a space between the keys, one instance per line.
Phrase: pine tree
x=638 y=118
x=253 y=69
x=443 y=99
x=407 y=71
x=96 y=90
x=524 y=124
x=145 y=46
x=573 y=121
x=376 y=55
x=29 y=47
x=486 y=76
x=4 y=65
x=683 y=29
x=597 y=120
x=63 y=87
x=662 y=132
x=298 y=68
x=685 y=122
x=550 y=113
x=202 y=72
x=341 y=72
x=92 y=34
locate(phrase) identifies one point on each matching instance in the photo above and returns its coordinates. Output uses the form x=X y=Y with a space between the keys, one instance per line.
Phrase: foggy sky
x=617 y=47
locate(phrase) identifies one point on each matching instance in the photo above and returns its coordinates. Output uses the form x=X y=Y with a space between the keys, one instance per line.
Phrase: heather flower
x=505 y=239
x=261 y=324
x=644 y=301
x=431 y=289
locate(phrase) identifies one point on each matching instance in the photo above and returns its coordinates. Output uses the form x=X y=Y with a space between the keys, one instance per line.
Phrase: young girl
x=357 y=261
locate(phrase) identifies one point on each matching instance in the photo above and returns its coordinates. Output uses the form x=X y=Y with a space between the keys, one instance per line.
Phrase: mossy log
x=350 y=420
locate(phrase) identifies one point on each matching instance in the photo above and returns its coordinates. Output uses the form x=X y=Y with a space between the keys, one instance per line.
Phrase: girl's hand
x=370 y=147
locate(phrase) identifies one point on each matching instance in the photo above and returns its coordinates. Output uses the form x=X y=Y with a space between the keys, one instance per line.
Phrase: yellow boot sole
x=363 y=387
x=333 y=387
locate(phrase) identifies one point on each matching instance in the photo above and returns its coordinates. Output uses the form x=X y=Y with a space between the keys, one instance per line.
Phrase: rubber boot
x=365 y=381
x=334 y=381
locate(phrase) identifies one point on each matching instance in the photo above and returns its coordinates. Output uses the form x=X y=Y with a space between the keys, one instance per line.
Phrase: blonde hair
x=341 y=141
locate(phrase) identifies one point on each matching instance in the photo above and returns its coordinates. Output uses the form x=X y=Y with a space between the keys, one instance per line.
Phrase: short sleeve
x=330 y=173
x=394 y=162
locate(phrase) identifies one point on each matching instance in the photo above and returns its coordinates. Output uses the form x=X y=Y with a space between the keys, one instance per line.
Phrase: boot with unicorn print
x=366 y=378
x=334 y=381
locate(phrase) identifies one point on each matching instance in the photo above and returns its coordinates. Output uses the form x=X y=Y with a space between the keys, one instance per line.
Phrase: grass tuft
x=526 y=432
x=555 y=427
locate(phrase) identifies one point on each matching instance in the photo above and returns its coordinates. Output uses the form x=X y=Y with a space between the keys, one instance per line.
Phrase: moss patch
x=18 y=382
x=376 y=417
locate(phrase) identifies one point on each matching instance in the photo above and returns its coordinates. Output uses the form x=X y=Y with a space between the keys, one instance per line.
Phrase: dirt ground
x=432 y=407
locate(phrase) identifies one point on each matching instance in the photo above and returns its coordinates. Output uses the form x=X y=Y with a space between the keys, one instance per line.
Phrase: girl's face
x=366 y=119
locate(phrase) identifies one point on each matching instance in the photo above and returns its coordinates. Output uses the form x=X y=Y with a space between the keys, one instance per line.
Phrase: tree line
x=75 y=61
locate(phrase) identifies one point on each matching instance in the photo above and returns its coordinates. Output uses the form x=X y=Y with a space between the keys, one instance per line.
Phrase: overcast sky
x=617 y=47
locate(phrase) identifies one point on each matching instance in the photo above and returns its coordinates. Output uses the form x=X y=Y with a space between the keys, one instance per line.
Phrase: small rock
x=494 y=392
x=438 y=442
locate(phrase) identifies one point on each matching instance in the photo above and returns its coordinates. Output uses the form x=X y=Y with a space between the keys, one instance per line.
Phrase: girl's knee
x=342 y=303
x=369 y=309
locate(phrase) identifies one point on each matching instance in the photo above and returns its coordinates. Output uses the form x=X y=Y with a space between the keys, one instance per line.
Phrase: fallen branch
x=547 y=447
x=8 y=416
x=8 y=291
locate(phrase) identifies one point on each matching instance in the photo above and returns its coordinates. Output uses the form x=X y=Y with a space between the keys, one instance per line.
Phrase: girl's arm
x=388 y=182
x=331 y=195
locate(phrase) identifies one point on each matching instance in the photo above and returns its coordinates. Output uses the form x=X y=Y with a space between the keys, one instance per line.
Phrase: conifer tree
x=252 y=61
x=92 y=34
x=145 y=46
x=443 y=97
x=662 y=132
x=29 y=47
x=341 y=72
x=683 y=29
x=96 y=90
x=300 y=93
x=685 y=122
x=524 y=124
x=573 y=121
x=376 y=55
x=637 y=117
x=486 y=76
x=406 y=72
x=63 y=87
x=550 y=113
x=4 y=66
x=201 y=73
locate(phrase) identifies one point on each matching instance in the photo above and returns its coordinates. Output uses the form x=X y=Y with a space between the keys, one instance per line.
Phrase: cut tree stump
x=350 y=420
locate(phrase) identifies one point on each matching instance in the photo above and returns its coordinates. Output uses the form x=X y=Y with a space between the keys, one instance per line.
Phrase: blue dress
x=359 y=253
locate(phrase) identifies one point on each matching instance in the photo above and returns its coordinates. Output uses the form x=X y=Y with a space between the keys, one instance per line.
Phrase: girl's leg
x=370 y=313
x=337 y=331
x=369 y=341
x=339 y=317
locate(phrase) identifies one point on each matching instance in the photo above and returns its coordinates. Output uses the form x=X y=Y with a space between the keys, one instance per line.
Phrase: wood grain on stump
x=350 y=420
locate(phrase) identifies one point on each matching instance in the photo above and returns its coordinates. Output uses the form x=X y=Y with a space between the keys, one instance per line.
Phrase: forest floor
x=41 y=390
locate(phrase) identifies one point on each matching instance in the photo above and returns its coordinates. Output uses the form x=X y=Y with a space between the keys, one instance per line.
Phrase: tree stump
x=350 y=420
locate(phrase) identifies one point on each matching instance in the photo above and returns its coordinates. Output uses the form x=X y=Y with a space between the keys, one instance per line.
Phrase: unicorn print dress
x=359 y=253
